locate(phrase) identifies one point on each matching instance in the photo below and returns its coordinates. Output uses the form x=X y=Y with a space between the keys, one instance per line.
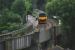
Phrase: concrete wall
x=21 y=42
x=2 y=46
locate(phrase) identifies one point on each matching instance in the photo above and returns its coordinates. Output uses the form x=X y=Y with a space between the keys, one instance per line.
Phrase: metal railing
x=22 y=41
x=17 y=39
x=13 y=34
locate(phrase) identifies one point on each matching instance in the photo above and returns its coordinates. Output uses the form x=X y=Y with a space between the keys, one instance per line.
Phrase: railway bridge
x=27 y=38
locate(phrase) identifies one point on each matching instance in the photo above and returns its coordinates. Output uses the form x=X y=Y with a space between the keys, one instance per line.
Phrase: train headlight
x=42 y=19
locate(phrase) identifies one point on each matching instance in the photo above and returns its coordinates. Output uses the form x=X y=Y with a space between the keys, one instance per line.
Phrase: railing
x=17 y=39
x=22 y=41
x=19 y=32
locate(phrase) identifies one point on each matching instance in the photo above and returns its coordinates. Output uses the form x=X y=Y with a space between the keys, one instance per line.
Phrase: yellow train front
x=42 y=19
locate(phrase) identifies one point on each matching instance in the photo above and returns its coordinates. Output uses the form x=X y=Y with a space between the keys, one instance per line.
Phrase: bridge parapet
x=16 y=33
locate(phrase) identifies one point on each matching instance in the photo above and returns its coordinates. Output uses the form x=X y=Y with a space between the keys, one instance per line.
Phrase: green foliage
x=18 y=6
x=5 y=4
x=21 y=6
x=28 y=5
x=12 y=13
x=65 y=9
x=7 y=18
x=60 y=6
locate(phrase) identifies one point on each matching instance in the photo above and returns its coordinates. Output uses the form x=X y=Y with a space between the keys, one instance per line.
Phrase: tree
x=5 y=4
x=12 y=13
x=28 y=5
x=21 y=7
x=65 y=9
x=8 y=19
x=18 y=6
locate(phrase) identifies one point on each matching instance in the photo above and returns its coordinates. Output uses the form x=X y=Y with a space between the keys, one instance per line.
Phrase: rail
x=10 y=35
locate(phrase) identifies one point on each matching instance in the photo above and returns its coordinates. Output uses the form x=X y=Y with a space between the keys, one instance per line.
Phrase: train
x=42 y=19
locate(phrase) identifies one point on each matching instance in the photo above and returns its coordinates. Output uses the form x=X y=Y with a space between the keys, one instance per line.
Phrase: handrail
x=14 y=32
x=11 y=35
x=19 y=36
